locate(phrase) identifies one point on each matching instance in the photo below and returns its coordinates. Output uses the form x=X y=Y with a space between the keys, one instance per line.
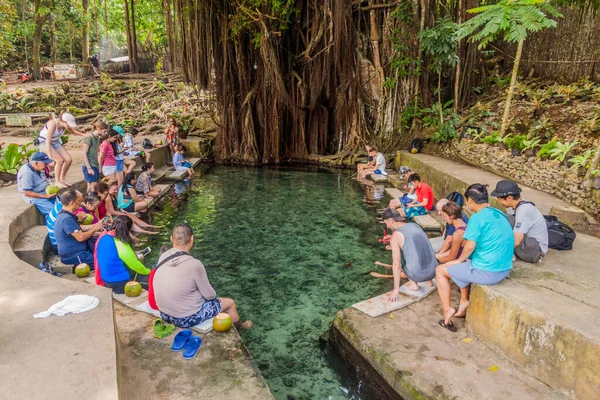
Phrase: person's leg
x=67 y=161
x=58 y=166
x=437 y=243
x=117 y=287
x=143 y=224
x=529 y=250
x=138 y=229
x=129 y=165
x=141 y=205
x=85 y=257
x=44 y=205
x=120 y=177
x=464 y=302
x=443 y=283
x=228 y=306
x=394 y=203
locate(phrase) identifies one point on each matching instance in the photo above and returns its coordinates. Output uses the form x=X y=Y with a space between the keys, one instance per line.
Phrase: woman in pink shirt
x=106 y=156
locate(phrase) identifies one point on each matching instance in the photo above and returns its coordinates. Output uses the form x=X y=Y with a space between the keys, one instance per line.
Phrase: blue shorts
x=414 y=211
x=55 y=144
x=90 y=178
x=120 y=165
x=380 y=172
x=209 y=310
x=405 y=200
x=43 y=205
x=464 y=274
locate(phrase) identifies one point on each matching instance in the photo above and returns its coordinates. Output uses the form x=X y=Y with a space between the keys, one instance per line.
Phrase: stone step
x=396 y=181
x=394 y=193
x=546 y=317
x=54 y=261
x=32 y=245
x=378 y=178
x=428 y=223
x=179 y=175
x=421 y=360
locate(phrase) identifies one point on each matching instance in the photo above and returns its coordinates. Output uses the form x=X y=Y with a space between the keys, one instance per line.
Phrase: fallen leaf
x=493 y=368
x=468 y=340
x=392 y=316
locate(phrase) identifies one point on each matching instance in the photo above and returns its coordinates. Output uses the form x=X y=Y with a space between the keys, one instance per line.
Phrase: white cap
x=69 y=119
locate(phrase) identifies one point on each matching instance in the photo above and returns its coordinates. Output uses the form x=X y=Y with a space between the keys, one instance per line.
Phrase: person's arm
x=522 y=224
x=518 y=238
x=202 y=283
x=81 y=236
x=128 y=256
x=76 y=132
x=101 y=155
x=447 y=243
x=35 y=195
x=468 y=249
x=457 y=239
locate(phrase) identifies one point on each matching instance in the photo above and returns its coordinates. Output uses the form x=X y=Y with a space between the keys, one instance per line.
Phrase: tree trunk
x=457 y=74
x=128 y=31
x=134 y=38
x=40 y=20
x=85 y=38
x=170 y=38
x=52 y=41
x=511 y=89
x=97 y=34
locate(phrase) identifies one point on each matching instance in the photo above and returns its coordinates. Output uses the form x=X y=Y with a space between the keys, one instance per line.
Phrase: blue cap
x=39 y=156
x=118 y=129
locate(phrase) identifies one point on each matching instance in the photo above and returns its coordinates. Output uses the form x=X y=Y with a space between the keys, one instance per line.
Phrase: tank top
x=55 y=135
x=417 y=253
x=124 y=199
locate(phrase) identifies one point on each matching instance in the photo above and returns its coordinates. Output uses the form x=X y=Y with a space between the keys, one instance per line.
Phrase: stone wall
x=548 y=176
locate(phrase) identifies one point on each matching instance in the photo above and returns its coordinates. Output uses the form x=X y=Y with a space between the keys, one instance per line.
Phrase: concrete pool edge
x=32 y=348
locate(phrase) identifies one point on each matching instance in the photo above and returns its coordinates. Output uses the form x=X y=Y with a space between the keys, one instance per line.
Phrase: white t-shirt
x=530 y=221
x=380 y=162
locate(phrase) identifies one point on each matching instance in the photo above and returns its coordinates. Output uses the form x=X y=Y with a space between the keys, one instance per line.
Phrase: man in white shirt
x=380 y=164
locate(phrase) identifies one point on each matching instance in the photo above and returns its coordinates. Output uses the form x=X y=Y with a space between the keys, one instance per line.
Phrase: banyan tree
x=294 y=78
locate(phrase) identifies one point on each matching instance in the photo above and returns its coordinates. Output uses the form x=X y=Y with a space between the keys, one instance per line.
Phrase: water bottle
x=143 y=253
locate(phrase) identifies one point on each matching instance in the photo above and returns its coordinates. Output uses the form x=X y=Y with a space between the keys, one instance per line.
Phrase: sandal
x=191 y=347
x=450 y=326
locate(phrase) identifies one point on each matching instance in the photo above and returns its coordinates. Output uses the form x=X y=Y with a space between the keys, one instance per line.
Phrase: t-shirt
x=450 y=228
x=530 y=221
x=31 y=180
x=128 y=142
x=380 y=162
x=424 y=192
x=177 y=159
x=51 y=221
x=66 y=224
x=92 y=153
x=417 y=253
x=119 y=155
x=109 y=154
x=495 y=242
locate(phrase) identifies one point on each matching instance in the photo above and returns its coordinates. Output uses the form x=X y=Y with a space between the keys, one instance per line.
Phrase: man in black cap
x=32 y=183
x=529 y=225
x=412 y=254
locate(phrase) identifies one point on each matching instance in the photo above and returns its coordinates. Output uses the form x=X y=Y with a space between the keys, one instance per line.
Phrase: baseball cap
x=39 y=156
x=391 y=213
x=118 y=129
x=69 y=119
x=506 y=188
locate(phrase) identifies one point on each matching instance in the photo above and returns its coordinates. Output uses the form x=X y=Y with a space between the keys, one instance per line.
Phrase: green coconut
x=160 y=142
x=88 y=220
x=82 y=270
x=133 y=289
x=51 y=189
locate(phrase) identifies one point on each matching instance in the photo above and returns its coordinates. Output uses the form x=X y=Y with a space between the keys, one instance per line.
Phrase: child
x=144 y=182
x=179 y=162
x=131 y=150
x=91 y=146
x=106 y=156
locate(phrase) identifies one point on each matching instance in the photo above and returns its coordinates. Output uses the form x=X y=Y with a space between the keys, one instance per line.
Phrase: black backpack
x=147 y=144
x=416 y=144
x=457 y=198
x=560 y=236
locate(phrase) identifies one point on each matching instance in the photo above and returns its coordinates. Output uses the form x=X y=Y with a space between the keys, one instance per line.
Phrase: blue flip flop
x=180 y=339
x=191 y=347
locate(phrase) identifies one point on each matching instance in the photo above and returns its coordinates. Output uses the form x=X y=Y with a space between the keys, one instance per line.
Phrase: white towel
x=75 y=304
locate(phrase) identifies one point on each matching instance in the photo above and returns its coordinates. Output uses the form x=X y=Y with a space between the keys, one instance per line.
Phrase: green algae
x=280 y=242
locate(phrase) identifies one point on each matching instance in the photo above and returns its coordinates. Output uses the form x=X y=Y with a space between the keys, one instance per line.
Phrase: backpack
x=151 y=297
x=147 y=144
x=457 y=198
x=415 y=146
x=560 y=236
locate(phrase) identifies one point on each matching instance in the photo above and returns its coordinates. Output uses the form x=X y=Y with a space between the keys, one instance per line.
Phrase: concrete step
x=394 y=193
x=32 y=245
x=428 y=223
x=396 y=181
x=546 y=317
x=54 y=261
x=179 y=175
x=421 y=360
x=164 y=188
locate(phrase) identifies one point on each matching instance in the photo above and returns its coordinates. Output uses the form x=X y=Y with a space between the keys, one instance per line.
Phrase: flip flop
x=450 y=326
x=180 y=339
x=191 y=347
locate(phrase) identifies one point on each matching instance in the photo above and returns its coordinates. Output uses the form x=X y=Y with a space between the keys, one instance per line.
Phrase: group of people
x=477 y=249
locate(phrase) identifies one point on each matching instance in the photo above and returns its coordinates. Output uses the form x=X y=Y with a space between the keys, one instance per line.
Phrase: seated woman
x=110 y=207
x=89 y=206
x=452 y=213
x=487 y=255
x=144 y=182
x=127 y=198
x=116 y=262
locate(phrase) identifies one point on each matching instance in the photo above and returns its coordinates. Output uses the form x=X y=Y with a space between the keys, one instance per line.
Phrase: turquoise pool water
x=292 y=247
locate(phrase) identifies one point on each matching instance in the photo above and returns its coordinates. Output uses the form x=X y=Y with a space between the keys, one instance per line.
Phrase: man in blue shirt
x=489 y=244
x=32 y=183
x=75 y=243
x=50 y=221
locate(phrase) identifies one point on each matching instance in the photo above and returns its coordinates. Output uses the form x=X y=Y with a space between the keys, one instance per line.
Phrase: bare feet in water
x=462 y=309
x=246 y=324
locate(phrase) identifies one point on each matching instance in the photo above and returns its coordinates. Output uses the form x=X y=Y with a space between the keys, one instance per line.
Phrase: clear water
x=291 y=247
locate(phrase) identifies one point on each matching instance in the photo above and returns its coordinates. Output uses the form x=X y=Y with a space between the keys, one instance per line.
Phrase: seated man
x=489 y=244
x=181 y=288
x=444 y=243
x=74 y=242
x=51 y=221
x=424 y=201
x=529 y=225
x=412 y=254
x=380 y=164
x=32 y=182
